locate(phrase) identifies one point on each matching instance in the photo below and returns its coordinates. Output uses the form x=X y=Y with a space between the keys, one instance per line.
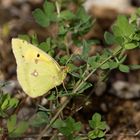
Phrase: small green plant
x=40 y=118
x=98 y=127
x=7 y=103
x=47 y=15
x=16 y=129
x=68 y=128
x=71 y=28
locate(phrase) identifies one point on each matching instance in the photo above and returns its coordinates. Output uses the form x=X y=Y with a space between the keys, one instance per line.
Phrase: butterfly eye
x=38 y=55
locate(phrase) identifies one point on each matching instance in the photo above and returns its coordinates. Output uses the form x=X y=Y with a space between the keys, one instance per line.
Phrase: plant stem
x=74 y=92
x=80 y=80
x=57 y=8
x=115 y=53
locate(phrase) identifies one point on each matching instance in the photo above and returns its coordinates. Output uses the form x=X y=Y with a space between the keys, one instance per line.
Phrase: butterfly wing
x=37 y=72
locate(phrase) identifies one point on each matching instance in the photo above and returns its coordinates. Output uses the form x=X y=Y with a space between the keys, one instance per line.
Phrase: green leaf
x=45 y=16
x=130 y=46
x=138 y=11
x=134 y=67
x=40 y=119
x=96 y=134
x=58 y=124
x=122 y=58
x=34 y=39
x=44 y=46
x=119 y=40
x=96 y=119
x=102 y=125
x=67 y=15
x=133 y=18
x=82 y=15
x=96 y=123
x=64 y=59
x=135 y=38
x=116 y=30
x=77 y=126
x=93 y=134
x=109 y=38
x=24 y=37
x=47 y=46
x=13 y=102
x=101 y=134
x=124 y=26
x=62 y=30
x=113 y=65
x=15 y=129
x=72 y=68
x=124 y=68
x=68 y=126
x=51 y=97
x=94 y=61
x=49 y=9
x=41 y=18
x=5 y=104
x=85 y=49
x=11 y=123
x=20 y=129
x=105 y=66
x=84 y=86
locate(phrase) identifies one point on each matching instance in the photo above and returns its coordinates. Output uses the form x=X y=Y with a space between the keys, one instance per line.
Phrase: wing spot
x=22 y=56
x=38 y=55
x=35 y=73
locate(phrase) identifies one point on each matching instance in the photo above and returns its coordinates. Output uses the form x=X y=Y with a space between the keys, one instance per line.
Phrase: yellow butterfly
x=37 y=72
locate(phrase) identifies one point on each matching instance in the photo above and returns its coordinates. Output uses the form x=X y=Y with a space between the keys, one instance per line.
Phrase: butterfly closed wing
x=37 y=72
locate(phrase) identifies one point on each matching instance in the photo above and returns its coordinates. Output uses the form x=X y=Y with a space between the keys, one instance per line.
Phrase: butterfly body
x=37 y=72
